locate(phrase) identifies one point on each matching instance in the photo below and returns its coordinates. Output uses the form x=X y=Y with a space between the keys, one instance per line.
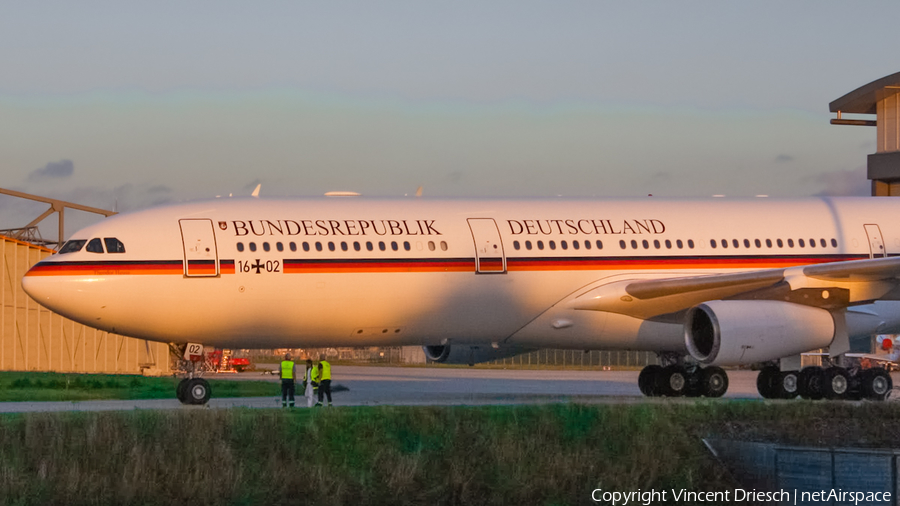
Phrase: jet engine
x=470 y=354
x=740 y=332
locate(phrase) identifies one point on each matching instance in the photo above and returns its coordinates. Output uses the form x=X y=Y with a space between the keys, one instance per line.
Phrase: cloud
x=784 y=158
x=844 y=183
x=53 y=170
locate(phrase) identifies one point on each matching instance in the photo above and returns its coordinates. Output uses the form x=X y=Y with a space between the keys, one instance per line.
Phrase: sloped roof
x=863 y=100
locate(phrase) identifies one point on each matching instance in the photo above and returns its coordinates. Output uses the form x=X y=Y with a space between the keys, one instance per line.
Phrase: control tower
x=880 y=98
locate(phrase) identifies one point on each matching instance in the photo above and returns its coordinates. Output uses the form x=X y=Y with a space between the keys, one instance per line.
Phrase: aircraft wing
x=831 y=285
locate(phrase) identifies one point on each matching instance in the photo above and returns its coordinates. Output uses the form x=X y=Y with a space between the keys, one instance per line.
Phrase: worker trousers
x=325 y=389
x=287 y=392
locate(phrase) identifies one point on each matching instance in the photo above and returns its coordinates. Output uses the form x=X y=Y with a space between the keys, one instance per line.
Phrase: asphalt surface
x=429 y=386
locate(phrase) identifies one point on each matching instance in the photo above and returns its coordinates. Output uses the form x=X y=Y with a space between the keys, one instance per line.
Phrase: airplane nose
x=38 y=287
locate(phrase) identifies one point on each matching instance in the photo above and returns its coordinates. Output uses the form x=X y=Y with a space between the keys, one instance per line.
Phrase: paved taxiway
x=423 y=386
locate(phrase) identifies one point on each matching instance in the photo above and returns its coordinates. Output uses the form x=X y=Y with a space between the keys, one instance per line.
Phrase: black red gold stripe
x=513 y=264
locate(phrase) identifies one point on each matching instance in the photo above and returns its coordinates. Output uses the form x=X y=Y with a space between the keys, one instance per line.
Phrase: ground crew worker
x=314 y=379
x=288 y=373
x=324 y=381
x=308 y=382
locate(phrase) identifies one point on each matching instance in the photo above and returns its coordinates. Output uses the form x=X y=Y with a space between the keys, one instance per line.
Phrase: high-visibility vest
x=287 y=369
x=326 y=370
x=314 y=375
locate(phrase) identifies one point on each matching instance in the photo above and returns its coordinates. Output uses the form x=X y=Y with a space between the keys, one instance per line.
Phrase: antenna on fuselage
x=256 y=191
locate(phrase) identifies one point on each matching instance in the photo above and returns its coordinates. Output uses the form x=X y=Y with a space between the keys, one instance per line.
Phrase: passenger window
x=757 y=243
x=768 y=243
x=633 y=244
x=293 y=246
x=356 y=246
x=305 y=246
x=668 y=244
x=622 y=244
x=656 y=243
x=691 y=243
x=735 y=243
x=645 y=244
x=679 y=243
x=252 y=246
x=406 y=245
x=431 y=245
x=575 y=244
x=823 y=243
x=240 y=246
x=381 y=245
x=528 y=245
x=443 y=246
x=279 y=246
x=394 y=246
x=563 y=245
x=516 y=245
x=599 y=244
x=369 y=246
x=812 y=243
x=331 y=246
x=779 y=243
x=833 y=243
x=75 y=245
x=540 y=244
x=746 y=243
x=113 y=245
x=790 y=243
x=552 y=244
x=801 y=243
x=344 y=246
x=713 y=243
x=318 y=246
x=266 y=246
x=95 y=246
x=724 y=243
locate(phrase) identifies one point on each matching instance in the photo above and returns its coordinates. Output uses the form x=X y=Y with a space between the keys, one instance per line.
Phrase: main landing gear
x=676 y=380
x=192 y=389
x=816 y=382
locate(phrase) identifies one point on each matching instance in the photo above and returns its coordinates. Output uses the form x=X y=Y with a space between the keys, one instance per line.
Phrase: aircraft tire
x=788 y=384
x=672 y=381
x=180 y=391
x=766 y=382
x=198 y=391
x=812 y=379
x=713 y=381
x=648 y=379
x=837 y=383
x=876 y=384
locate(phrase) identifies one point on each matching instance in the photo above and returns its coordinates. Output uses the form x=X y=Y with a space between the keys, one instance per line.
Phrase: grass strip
x=545 y=455
x=47 y=386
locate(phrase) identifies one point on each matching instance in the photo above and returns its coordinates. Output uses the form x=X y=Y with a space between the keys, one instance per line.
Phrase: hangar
x=32 y=338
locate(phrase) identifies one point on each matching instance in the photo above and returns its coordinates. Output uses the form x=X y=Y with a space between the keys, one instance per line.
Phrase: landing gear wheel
x=672 y=381
x=837 y=383
x=713 y=381
x=788 y=384
x=766 y=382
x=876 y=384
x=812 y=383
x=647 y=380
x=197 y=391
x=180 y=391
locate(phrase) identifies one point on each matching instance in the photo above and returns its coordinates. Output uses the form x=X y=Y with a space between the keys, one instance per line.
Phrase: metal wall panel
x=33 y=338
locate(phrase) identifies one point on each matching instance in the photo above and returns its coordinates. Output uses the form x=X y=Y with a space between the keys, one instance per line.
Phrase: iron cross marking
x=258 y=266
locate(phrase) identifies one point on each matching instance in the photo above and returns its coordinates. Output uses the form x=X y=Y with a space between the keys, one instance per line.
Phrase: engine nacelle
x=470 y=354
x=741 y=332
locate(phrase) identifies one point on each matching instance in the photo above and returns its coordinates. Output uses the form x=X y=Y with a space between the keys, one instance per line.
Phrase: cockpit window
x=95 y=246
x=113 y=245
x=72 y=246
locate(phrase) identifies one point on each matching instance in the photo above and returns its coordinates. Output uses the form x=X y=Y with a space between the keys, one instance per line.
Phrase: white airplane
x=703 y=283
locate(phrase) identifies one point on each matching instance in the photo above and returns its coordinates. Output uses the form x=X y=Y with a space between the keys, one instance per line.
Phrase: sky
x=129 y=105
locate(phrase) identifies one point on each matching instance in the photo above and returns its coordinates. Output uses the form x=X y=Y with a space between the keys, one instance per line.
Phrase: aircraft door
x=200 y=256
x=876 y=242
x=489 y=256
